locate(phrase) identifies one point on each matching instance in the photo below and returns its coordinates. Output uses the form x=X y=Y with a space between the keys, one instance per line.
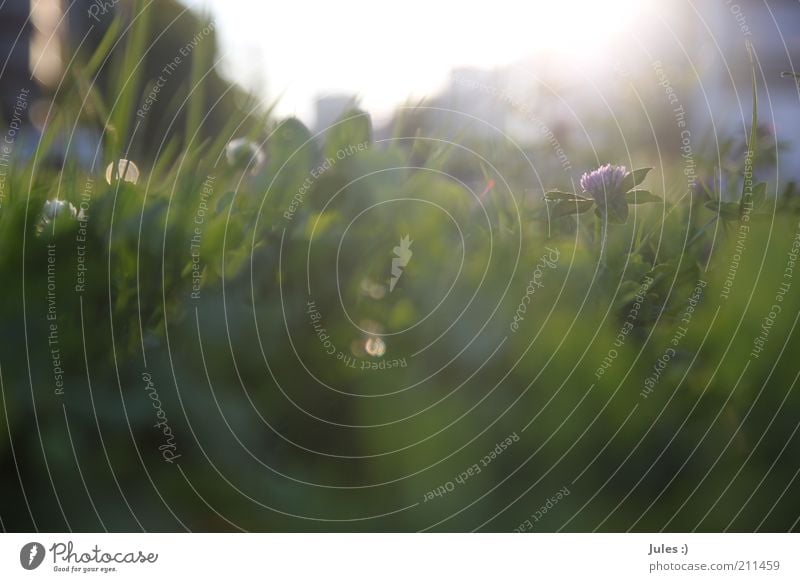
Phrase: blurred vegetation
x=275 y=434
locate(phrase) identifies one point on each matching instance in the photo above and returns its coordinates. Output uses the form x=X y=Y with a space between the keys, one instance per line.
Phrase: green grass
x=265 y=446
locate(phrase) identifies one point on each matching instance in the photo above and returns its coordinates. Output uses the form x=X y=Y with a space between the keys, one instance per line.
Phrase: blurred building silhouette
x=725 y=94
x=614 y=101
x=329 y=108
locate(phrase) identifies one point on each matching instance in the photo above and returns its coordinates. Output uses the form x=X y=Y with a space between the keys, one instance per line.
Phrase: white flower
x=53 y=208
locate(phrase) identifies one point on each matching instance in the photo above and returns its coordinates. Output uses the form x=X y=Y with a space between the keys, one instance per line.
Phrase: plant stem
x=600 y=240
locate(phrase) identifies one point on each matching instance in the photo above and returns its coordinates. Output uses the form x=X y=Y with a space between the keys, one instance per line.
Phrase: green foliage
x=634 y=178
x=641 y=197
x=615 y=208
x=270 y=426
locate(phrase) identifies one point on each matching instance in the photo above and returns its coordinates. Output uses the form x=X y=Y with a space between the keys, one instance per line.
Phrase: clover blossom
x=606 y=186
x=53 y=208
x=604 y=182
x=610 y=189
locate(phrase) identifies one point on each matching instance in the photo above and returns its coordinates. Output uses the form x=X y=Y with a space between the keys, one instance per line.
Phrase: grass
x=199 y=276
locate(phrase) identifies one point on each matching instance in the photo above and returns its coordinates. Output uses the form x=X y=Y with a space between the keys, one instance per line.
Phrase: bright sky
x=386 y=52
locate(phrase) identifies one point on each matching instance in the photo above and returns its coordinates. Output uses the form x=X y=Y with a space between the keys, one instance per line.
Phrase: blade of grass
x=102 y=50
x=202 y=62
x=129 y=75
x=749 y=162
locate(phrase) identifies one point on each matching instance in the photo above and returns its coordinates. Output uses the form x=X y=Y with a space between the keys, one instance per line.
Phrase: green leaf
x=663 y=268
x=627 y=292
x=351 y=133
x=567 y=207
x=726 y=210
x=634 y=178
x=556 y=195
x=641 y=197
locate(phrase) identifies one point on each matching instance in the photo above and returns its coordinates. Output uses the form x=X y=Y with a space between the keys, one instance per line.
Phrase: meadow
x=257 y=327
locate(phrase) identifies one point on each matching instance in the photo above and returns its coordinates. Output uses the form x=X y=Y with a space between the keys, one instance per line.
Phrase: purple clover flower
x=610 y=190
x=604 y=182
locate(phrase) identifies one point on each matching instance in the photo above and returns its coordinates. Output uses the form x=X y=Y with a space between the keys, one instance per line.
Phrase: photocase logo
x=400 y=260
x=31 y=555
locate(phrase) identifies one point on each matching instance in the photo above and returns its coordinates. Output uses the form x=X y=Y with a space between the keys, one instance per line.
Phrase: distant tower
x=330 y=108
